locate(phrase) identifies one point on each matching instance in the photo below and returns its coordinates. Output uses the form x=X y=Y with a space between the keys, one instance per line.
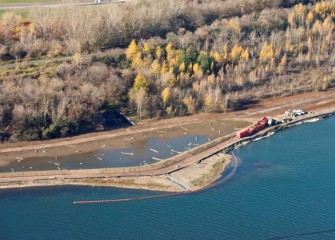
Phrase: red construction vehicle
x=253 y=129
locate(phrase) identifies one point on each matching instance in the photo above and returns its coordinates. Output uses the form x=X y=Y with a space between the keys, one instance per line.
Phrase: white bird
x=153 y=150
x=125 y=153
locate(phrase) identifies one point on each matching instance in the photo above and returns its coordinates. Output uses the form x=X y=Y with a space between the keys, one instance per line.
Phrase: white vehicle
x=294 y=113
x=107 y=1
x=102 y=1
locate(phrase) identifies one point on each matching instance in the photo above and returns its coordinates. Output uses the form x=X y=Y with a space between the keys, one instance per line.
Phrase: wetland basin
x=124 y=148
x=134 y=153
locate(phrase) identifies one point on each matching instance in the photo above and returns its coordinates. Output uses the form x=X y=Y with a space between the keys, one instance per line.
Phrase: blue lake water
x=284 y=186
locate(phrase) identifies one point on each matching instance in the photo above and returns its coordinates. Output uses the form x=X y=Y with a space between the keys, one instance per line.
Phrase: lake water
x=284 y=186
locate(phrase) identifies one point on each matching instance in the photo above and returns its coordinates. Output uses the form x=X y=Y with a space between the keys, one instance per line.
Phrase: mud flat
x=197 y=176
x=134 y=137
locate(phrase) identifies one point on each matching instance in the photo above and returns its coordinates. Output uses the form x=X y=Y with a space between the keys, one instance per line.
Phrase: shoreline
x=154 y=179
x=310 y=101
x=118 y=139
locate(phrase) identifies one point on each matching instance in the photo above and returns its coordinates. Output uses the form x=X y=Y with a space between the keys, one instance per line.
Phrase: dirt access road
x=18 y=6
x=274 y=107
x=54 y=60
x=315 y=101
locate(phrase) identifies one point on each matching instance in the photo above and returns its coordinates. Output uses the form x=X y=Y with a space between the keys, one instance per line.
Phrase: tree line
x=179 y=59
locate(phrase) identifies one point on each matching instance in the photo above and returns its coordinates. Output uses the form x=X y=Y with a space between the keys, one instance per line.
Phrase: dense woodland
x=164 y=59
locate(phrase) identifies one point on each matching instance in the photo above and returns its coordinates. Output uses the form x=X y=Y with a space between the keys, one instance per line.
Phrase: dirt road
x=310 y=101
x=153 y=171
x=313 y=101
x=18 y=6
x=53 y=60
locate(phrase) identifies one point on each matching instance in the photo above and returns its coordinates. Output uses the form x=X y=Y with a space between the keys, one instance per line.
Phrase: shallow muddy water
x=135 y=153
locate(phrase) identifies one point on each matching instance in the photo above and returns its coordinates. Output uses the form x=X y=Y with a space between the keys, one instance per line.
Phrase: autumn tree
x=141 y=82
x=266 y=53
x=166 y=95
x=132 y=50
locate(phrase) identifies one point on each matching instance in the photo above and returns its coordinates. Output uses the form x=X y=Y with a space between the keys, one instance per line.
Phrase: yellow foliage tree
x=216 y=56
x=166 y=95
x=190 y=104
x=299 y=9
x=182 y=67
x=245 y=55
x=172 y=77
x=159 y=52
x=328 y=25
x=317 y=27
x=318 y=8
x=234 y=25
x=139 y=63
x=169 y=48
x=141 y=82
x=310 y=18
x=208 y=101
x=146 y=48
x=169 y=51
x=132 y=50
x=266 y=53
x=155 y=67
x=196 y=67
x=236 y=52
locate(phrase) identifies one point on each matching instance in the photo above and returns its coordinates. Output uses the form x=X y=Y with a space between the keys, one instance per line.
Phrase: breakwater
x=188 y=158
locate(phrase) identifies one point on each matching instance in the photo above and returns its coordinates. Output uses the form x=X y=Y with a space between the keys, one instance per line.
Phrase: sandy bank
x=180 y=169
x=191 y=170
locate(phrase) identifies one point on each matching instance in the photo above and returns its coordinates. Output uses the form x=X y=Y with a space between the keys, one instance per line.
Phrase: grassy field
x=23 y=13
x=28 y=1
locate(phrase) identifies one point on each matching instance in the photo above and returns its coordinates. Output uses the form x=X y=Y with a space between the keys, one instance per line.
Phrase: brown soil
x=275 y=107
x=203 y=173
x=315 y=101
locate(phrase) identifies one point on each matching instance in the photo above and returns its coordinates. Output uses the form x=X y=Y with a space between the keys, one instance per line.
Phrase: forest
x=157 y=59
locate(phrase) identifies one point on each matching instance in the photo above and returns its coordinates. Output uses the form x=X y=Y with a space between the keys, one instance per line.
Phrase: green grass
x=24 y=13
x=28 y=1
